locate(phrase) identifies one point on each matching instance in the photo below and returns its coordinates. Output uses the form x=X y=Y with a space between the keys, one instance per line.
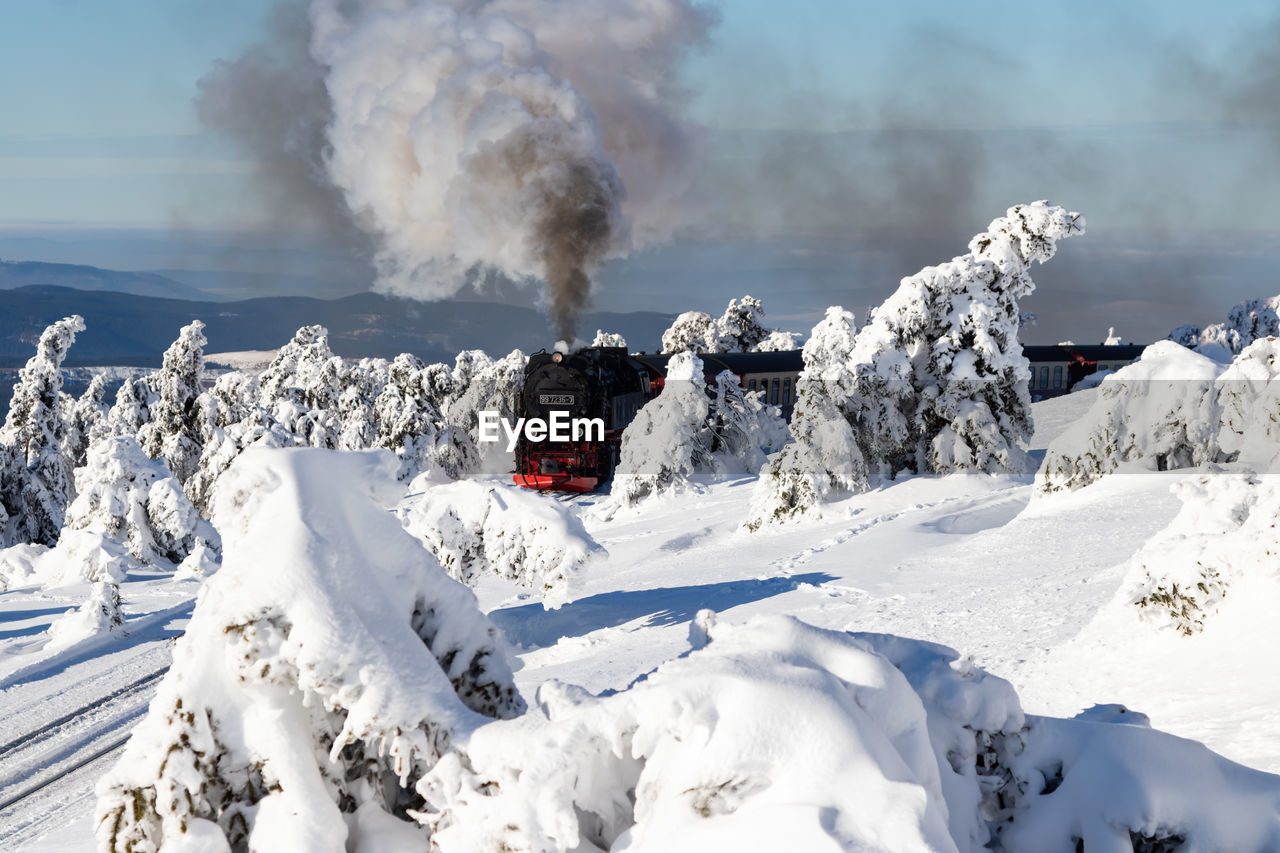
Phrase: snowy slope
x=969 y=561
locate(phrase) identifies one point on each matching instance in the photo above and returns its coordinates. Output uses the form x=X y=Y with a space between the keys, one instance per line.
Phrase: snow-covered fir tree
x=491 y=386
x=87 y=416
x=35 y=482
x=778 y=341
x=670 y=440
x=692 y=331
x=739 y=329
x=941 y=381
x=327 y=667
x=361 y=384
x=301 y=388
x=608 y=339
x=824 y=456
x=174 y=431
x=131 y=410
x=1246 y=322
x=102 y=612
x=411 y=426
x=1159 y=412
x=746 y=429
x=132 y=499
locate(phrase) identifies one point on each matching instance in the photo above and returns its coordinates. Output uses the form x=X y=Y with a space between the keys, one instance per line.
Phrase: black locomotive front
x=574 y=407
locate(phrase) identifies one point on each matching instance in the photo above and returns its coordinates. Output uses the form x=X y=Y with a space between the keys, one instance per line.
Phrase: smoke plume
x=473 y=138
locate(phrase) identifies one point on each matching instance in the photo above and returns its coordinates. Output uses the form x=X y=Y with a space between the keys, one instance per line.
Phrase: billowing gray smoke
x=474 y=138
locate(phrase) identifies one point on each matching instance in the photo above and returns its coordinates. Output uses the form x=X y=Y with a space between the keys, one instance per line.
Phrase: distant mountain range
x=128 y=329
x=14 y=274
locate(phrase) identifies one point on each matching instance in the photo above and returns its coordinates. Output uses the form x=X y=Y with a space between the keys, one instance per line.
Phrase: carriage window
x=751 y=385
x=786 y=391
x=776 y=385
x=1044 y=377
x=1057 y=376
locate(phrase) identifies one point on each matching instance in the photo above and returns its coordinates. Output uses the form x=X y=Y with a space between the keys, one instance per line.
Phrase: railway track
x=34 y=763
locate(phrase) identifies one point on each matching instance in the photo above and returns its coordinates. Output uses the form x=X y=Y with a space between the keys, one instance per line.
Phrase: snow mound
x=1159 y=412
x=473 y=528
x=326 y=665
x=776 y=735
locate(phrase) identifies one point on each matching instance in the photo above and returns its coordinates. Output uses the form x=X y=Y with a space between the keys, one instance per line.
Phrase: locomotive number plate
x=555 y=399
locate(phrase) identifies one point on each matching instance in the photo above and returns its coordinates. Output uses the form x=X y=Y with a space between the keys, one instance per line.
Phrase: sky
x=847 y=142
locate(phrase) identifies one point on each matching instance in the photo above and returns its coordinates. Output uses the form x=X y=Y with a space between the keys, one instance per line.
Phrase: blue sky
x=1116 y=109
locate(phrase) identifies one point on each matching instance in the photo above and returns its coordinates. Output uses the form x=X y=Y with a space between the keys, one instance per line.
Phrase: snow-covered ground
x=1024 y=584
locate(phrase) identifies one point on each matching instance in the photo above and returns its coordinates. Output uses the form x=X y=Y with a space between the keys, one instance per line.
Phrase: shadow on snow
x=530 y=626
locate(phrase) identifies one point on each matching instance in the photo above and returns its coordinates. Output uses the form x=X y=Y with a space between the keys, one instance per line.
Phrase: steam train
x=608 y=384
x=602 y=383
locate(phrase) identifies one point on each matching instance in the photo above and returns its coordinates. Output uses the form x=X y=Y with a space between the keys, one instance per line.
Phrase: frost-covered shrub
x=35 y=475
x=670 y=439
x=608 y=339
x=1248 y=406
x=101 y=613
x=772 y=736
x=125 y=496
x=175 y=429
x=1159 y=412
x=474 y=528
x=326 y=668
x=824 y=456
x=1224 y=537
x=941 y=381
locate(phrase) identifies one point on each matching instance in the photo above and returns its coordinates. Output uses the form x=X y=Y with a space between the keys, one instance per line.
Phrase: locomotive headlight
x=557 y=357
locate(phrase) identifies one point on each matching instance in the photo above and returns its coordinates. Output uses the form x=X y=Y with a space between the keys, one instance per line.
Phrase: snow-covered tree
x=1246 y=322
x=746 y=429
x=692 y=331
x=361 y=384
x=493 y=387
x=130 y=498
x=326 y=668
x=940 y=376
x=131 y=410
x=824 y=457
x=739 y=329
x=35 y=483
x=174 y=431
x=101 y=613
x=1159 y=412
x=608 y=339
x=87 y=416
x=474 y=528
x=410 y=425
x=301 y=388
x=670 y=439
x=779 y=341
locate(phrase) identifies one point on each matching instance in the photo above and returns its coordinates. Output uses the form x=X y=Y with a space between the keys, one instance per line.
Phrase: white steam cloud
x=481 y=137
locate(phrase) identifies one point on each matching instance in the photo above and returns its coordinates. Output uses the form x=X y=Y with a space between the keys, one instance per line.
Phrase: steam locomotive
x=608 y=384
x=602 y=384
